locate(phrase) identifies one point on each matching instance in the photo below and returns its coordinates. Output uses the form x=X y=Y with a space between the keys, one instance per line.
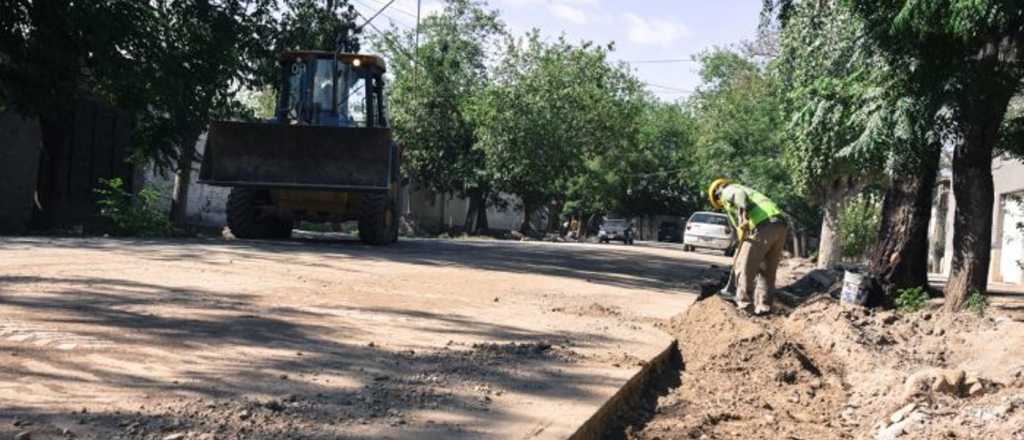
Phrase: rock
x=178 y=436
x=902 y=413
x=244 y=415
x=955 y=377
x=23 y=435
x=976 y=390
x=948 y=381
x=67 y=433
x=888 y=318
x=891 y=432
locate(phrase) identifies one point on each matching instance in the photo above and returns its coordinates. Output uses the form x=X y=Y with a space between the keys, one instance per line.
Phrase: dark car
x=670 y=232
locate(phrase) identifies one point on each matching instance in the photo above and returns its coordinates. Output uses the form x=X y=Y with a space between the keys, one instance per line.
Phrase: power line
x=662 y=61
x=392 y=20
x=411 y=14
x=368 y=20
x=674 y=89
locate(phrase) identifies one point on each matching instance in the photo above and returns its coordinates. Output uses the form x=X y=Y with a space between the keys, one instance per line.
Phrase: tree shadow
x=229 y=347
x=618 y=266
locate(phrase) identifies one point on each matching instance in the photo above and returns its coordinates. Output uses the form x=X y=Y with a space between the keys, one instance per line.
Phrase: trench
x=634 y=404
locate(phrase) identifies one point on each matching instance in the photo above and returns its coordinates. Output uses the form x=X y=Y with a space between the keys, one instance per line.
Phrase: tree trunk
x=469 y=225
x=51 y=181
x=830 y=244
x=554 y=215
x=972 y=223
x=528 y=209
x=476 y=215
x=183 y=182
x=900 y=257
x=980 y=115
x=481 y=216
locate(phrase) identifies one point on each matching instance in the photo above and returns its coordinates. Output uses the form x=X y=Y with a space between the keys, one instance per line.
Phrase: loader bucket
x=260 y=154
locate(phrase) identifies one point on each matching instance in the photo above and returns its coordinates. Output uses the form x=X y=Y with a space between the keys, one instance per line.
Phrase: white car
x=709 y=230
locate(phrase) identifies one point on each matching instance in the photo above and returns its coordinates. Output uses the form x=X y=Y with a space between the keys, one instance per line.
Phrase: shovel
x=728 y=290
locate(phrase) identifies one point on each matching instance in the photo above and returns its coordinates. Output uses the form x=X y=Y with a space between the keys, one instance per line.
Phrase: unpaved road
x=321 y=338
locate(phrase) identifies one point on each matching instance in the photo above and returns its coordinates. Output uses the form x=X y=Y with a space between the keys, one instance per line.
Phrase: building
x=1007 y=223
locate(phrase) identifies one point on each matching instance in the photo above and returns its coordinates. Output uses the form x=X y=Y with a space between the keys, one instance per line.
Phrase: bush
x=911 y=300
x=858 y=226
x=977 y=303
x=132 y=214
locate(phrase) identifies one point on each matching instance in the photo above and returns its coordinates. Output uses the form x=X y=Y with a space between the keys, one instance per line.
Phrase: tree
x=740 y=126
x=965 y=55
x=54 y=53
x=201 y=55
x=832 y=79
x=431 y=99
x=553 y=107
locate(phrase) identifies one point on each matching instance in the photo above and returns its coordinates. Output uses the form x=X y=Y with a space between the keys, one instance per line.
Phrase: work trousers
x=757 y=262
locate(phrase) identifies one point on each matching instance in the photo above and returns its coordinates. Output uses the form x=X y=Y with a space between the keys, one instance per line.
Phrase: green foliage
x=912 y=299
x=54 y=52
x=556 y=113
x=741 y=130
x=132 y=214
x=977 y=302
x=176 y=63
x=431 y=99
x=858 y=225
x=317 y=25
x=839 y=123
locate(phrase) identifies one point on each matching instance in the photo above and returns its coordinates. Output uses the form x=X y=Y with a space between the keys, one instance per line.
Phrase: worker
x=761 y=229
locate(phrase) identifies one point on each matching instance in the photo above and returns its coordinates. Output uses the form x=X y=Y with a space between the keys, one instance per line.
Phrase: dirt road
x=318 y=338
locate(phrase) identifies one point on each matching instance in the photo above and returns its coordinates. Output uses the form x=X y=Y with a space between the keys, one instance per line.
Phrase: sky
x=650 y=34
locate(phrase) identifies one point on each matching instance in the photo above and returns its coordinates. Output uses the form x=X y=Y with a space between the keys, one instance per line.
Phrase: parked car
x=669 y=231
x=615 y=229
x=709 y=230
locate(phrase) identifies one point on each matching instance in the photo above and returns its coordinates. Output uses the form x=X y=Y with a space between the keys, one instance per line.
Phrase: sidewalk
x=1006 y=297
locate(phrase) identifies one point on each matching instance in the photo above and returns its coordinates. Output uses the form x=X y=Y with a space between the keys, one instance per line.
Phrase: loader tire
x=378 y=220
x=245 y=219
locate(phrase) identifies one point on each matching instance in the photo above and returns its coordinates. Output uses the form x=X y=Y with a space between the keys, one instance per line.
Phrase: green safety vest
x=759 y=207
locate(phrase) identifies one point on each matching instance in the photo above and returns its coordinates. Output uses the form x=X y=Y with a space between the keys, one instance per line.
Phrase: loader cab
x=331 y=89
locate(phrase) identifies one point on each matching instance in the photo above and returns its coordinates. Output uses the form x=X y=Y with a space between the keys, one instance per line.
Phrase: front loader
x=326 y=156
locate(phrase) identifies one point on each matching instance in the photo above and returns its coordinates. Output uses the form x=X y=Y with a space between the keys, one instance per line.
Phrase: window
x=710 y=219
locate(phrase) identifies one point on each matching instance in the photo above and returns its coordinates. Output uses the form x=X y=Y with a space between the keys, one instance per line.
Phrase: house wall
x=1007 y=242
x=1008 y=181
x=206 y=203
x=436 y=212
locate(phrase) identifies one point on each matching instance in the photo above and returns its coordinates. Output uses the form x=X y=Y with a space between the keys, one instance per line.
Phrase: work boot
x=762 y=310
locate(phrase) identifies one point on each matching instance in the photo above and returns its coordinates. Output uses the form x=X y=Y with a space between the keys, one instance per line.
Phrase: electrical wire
x=662 y=61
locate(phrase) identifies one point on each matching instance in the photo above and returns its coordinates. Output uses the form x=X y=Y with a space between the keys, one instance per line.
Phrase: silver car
x=615 y=229
x=709 y=230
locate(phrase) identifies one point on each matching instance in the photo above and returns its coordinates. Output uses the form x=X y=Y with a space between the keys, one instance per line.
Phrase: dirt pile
x=830 y=371
x=745 y=379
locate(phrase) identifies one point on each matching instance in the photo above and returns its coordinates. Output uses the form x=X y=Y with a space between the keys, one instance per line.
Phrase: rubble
x=831 y=371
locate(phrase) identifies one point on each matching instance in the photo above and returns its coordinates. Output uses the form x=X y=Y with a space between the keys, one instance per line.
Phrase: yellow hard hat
x=713 y=191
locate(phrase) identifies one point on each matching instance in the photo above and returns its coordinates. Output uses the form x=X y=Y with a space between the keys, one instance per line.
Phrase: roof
x=347 y=58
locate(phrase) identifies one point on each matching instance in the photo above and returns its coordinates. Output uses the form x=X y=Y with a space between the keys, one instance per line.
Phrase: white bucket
x=854 y=288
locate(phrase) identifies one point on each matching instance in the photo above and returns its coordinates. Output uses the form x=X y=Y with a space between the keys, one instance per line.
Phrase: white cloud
x=659 y=31
x=568 y=13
